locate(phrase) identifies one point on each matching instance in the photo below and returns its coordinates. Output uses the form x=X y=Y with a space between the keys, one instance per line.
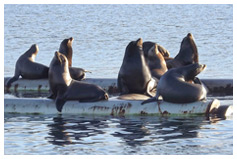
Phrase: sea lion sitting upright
x=66 y=49
x=134 y=75
x=174 y=86
x=64 y=88
x=156 y=62
x=27 y=68
x=188 y=53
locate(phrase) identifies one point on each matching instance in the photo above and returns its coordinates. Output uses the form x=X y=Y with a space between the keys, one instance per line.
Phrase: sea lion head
x=139 y=42
x=66 y=49
x=34 y=48
x=59 y=66
x=192 y=70
x=153 y=51
x=165 y=54
x=134 y=47
x=32 y=52
x=156 y=61
x=188 y=45
x=163 y=51
x=60 y=59
x=67 y=42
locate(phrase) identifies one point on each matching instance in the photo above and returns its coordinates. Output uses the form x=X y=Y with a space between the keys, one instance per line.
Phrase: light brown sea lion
x=156 y=62
x=147 y=46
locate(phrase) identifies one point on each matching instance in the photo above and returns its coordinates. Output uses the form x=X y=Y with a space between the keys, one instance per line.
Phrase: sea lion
x=27 y=68
x=174 y=86
x=77 y=73
x=66 y=49
x=64 y=88
x=147 y=46
x=188 y=53
x=134 y=75
x=156 y=62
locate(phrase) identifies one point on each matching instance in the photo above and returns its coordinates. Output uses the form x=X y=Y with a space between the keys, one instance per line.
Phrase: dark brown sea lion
x=156 y=62
x=174 y=86
x=188 y=53
x=64 y=88
x=27 y=68
x=66 y=49
x=134 y=75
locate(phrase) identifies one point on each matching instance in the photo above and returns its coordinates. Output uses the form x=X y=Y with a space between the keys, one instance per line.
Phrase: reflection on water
x=121 y=135
x=65 y=131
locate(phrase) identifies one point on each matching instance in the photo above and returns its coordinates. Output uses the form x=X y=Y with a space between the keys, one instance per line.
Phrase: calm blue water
x=101 y=33
x=84 y=135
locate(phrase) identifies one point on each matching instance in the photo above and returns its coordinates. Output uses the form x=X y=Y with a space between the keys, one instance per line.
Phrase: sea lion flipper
x=87 y=71
x=59 y=104
x=204 y=87
x=60 y=99
x=197 y=80
x=14 y=78
x=11 y=80
x=153 y=99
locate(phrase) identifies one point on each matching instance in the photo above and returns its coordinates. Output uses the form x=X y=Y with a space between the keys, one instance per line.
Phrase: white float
x=113 y=106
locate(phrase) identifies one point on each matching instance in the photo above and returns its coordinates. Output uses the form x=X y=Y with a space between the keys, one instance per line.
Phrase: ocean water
x=106 y=135
x=101 y=34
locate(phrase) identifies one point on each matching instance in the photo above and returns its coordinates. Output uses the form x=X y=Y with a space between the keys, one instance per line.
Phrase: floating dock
x=113 y=106
x=214 y=86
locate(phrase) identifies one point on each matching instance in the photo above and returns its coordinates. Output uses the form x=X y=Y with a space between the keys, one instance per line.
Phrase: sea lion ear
x=139 y=42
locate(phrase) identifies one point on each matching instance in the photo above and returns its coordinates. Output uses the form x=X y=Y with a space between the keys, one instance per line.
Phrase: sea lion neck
x=188 y=52
x=192 y=71
x=66 y=49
